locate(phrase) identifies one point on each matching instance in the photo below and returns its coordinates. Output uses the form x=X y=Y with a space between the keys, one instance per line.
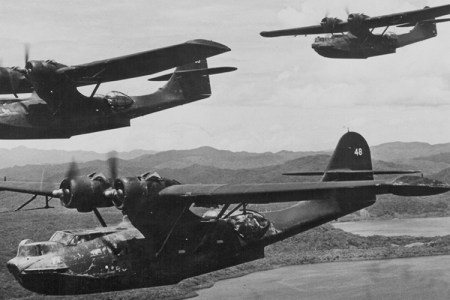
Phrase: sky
x=284 y=96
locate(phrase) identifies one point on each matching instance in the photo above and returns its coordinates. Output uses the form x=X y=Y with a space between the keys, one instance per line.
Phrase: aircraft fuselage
x=350 y=46
x=33 y=118
x=122 y=257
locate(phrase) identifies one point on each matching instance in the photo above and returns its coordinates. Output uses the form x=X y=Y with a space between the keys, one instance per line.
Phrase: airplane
x=359 y=42
x=172 y=231
x=57 y=110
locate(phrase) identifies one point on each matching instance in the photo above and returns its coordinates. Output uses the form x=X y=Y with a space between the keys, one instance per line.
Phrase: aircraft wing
x=143 y=63
x=29 y=187
x=314 y=29
x=410 y=17
x=215 y=194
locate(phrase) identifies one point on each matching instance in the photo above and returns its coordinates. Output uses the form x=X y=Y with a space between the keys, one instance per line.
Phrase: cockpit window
x=72 y=239
x=82 y=238
x=61 y=237
x=36 y=249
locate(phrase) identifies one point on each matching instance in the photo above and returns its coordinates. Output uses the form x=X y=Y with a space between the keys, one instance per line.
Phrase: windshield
x=37 y=249
x=61 y=237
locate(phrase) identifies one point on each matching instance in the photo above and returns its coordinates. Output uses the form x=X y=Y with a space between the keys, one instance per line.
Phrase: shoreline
x=313 y=257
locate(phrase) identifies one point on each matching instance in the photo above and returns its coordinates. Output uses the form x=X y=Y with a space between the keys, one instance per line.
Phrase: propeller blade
x=27 y=52
x=12 y=82
x=112 y=164
x=73 y=171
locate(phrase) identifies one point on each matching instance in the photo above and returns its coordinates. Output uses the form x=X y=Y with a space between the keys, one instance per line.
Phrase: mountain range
x=209 y=165
x=20 y=156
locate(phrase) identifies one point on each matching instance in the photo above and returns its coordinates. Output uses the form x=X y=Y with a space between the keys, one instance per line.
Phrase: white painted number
x=358 y=152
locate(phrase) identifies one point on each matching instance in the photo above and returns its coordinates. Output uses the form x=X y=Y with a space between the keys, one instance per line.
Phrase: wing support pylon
x=47 y=199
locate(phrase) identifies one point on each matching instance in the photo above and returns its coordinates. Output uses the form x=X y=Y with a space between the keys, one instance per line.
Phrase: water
x=413 y=227
x=407 y=278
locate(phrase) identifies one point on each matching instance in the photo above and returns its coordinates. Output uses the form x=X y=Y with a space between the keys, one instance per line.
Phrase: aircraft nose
x=14 y=268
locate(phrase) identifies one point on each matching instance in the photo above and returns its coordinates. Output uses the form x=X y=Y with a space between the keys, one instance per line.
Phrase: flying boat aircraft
x=355 y=38
x=56 y=109
x=163 y=237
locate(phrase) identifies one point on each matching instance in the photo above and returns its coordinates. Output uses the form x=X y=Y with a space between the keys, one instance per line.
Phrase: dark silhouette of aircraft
x=56 y=109
x=162 y=239
x=359 y=41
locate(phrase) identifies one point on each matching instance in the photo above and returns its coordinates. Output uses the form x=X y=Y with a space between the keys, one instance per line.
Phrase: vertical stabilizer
x=192 y=83
x=352 y=153
x=420 y=32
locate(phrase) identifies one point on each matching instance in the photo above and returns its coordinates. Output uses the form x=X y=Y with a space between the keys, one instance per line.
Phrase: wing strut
x=223 y=211
x=26 y=203
x=171 y=230
x=95 y=89
x=234 y=209
x=99 y=217
x=47 y=199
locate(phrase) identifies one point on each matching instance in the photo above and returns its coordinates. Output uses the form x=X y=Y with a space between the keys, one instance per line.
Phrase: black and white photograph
x=256 y=149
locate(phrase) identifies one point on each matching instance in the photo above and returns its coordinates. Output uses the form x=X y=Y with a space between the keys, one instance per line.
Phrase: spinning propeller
x=86 y=192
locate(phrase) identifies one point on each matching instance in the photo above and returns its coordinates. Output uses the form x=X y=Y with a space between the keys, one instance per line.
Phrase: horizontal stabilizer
x=365 y=172
x=207 y=71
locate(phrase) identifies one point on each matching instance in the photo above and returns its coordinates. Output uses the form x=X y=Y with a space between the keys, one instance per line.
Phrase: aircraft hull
x=126 y=260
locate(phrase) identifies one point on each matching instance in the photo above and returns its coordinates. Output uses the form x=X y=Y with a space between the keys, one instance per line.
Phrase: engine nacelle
x=356 y=25
x=138 y=194
x=13 y=81
x=43 y=72
x=330 y=24
x=131 y=193
x=84 y=193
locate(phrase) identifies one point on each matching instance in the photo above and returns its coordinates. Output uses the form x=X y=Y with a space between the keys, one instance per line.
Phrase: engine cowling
x=130 y=193
x=84 y=193
x=357 y=26
x=330 y=24
x=13 y=81
x=138 y=194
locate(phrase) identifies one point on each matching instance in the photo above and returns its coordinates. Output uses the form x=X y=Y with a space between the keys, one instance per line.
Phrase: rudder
x=191 y=82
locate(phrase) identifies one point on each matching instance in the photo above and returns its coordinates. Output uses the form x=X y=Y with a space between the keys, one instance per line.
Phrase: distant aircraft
x=56 y=109
x=164 y=239
x=360 y=42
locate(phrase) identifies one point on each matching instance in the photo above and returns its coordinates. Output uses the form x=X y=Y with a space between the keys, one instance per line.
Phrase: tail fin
x=421 y=31
x=352 y=153
x=351 y=161
x=191 y=82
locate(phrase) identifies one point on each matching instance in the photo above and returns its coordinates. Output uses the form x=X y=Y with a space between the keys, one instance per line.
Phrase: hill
x=194 y=173
x=21 y=156
x=208 y=156
x=401 y=150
